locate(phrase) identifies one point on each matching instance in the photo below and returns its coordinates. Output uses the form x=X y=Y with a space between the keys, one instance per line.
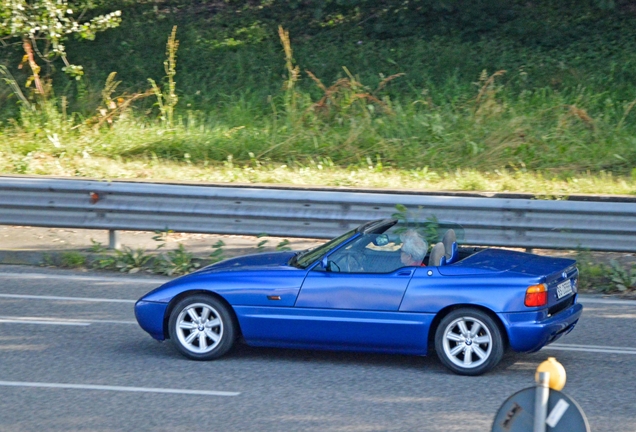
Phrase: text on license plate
x=563 y=289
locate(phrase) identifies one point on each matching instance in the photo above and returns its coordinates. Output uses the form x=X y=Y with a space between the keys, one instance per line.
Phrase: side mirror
x=324 y=263
x=329 y=266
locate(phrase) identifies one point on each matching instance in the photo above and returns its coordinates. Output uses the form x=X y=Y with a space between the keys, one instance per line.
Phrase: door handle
x=405 y=273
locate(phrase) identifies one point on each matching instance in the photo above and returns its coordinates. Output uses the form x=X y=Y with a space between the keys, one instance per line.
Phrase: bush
x=72 y=259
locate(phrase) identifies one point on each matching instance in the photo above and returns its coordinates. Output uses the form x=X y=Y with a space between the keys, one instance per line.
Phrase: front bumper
x=150 y=317
x=531 y=331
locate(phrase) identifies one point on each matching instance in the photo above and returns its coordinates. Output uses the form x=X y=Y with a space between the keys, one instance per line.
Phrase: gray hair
x=414 y=245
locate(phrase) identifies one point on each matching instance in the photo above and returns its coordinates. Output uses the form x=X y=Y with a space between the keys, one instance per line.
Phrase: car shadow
x=242 y=351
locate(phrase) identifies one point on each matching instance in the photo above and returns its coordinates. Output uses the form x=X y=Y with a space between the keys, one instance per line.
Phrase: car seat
x=437 y=257
x=450 y=246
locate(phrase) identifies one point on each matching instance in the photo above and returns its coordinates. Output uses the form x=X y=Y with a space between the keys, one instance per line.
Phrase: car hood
x=256 y=265
x=248 y=262
x=499 y=260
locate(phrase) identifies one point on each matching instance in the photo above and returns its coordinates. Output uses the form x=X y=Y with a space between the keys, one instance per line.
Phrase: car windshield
x=306 y=258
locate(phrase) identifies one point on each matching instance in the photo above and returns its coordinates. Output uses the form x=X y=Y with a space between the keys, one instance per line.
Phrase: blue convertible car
x=356 y=293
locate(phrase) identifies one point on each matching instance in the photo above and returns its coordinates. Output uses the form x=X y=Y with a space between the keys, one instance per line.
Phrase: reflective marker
x=557 y=412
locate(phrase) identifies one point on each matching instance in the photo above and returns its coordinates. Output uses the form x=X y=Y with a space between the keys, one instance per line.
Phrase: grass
x=542 y=132
x=345 y=107
x=322 y=173
x=72 y=259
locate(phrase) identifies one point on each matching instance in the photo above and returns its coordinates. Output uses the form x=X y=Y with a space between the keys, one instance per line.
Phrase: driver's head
x=413 y=248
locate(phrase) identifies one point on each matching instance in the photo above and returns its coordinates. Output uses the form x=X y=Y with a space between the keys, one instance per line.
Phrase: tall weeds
x=166 y=97
x=293 y=73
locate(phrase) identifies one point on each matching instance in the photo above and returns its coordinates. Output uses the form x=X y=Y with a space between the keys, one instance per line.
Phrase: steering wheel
x=350 y=263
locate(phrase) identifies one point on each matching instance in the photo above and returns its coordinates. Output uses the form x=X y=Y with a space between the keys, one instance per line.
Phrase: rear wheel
x=201 y=328
x=468 y=342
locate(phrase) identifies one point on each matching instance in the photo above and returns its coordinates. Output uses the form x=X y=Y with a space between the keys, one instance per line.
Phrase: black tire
x=457 y=335
x=201 y=327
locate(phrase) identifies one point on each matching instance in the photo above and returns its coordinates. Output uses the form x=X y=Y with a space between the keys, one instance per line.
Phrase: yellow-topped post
x=556 y=371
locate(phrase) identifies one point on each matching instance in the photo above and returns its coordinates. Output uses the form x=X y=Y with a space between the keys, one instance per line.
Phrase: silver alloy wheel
x=199 y=328
x=467 y=342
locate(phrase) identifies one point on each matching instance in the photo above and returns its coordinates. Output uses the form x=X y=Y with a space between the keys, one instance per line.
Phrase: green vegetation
x=72 y=259
x=622 y=278
x=503 y=96
x=605 y=277
x=126 y=260
x=41 y=28
x=97 y=247
x=176 y=262
x=262 y=244
x=217 y=252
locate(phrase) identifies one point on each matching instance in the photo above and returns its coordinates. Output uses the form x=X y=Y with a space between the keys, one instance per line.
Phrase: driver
x=413 y=249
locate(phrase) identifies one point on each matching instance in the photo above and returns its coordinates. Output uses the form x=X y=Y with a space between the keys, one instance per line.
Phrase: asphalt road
x=69 y=365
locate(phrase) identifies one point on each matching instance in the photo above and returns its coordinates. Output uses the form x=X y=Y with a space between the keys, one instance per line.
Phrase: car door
x=356 y=306
x=354 y=291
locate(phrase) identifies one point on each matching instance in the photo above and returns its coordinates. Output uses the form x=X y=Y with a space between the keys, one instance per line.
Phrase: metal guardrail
x=605 y=225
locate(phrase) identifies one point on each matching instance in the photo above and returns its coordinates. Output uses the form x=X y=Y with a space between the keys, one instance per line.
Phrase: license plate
x=564 y=288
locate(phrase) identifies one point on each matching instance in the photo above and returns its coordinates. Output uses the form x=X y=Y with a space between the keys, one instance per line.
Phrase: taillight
x=536 y=295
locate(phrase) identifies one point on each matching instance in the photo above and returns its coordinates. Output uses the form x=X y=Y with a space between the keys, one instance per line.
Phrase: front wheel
x=468 y=342
x=201 y=328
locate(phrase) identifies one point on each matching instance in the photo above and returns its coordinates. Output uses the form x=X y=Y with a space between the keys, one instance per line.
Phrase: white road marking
x=80 y=299
x=22 y=321
x=592 y=348
x=114 y=279
x=117 y=388
x=58 y=321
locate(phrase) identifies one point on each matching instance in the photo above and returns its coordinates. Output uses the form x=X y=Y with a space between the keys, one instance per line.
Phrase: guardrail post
x=541 y=402
x=113 y=239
